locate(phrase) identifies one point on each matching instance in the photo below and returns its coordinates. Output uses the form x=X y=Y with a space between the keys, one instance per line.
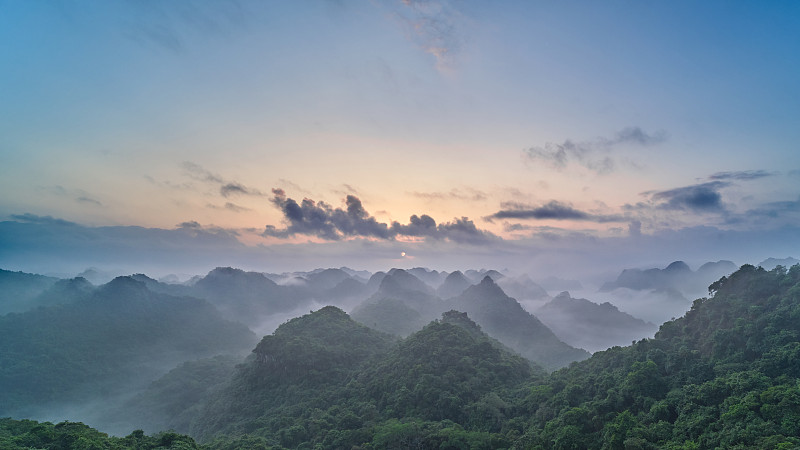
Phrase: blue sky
x=461 y=133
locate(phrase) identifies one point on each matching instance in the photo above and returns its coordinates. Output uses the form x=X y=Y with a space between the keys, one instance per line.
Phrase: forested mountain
x=591 y=326
x=18 y=290
x=726 y=375
x=118 y=336
x=296 y=375
x=404 y=304
x=503 y=318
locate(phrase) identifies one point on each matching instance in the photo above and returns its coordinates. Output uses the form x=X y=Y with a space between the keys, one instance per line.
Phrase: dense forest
x=725 y=375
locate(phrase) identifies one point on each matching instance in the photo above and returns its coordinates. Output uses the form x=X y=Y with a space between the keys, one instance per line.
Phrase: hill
x=592 y=326
x=723 y=376
x=117 y=338
x=18 y=290
x=324 y=380
x=299 y=369
x=503 y=318
x=676 y=275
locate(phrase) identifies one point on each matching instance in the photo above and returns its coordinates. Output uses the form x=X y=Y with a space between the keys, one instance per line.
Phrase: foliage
x=119 y=334
x=28 y=434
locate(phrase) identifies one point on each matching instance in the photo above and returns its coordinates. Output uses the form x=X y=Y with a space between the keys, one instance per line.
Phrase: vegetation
x=29 y=434
x=726 y=375
x=117 y=336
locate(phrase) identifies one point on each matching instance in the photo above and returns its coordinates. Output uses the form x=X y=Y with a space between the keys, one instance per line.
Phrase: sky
x=536 y=136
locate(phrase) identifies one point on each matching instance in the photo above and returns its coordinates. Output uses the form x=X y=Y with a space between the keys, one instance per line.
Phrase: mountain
x=676 y=275
x=771 y=263
x=723 y=376
x=326 y=279
x=432 y=278
x=437 y=372
x=402 y=304
x=453 y=285
x=18 y=289
x=521 y=288
x=247 y=297
x=323 y=380
x=503 y=318
x=591 y=326
x=65 y=291
x=116 y=339
x=477 y=275
x=301 y=368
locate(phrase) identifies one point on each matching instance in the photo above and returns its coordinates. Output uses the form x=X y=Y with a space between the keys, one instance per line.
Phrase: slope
x=591 y=326
x=723 y=376
x=120 y=336
x=504 y=319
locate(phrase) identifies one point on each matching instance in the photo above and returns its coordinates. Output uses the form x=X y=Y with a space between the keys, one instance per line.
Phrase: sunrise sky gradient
x=537 y=136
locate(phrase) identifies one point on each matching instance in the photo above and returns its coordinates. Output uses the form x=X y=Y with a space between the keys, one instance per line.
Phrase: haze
x=567 y=140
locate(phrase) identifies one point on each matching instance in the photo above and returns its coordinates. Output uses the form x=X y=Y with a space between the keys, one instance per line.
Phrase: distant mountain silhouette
x=522 y=288
x=591 y=326
x=402 y=304
x=432 y=278
x=117 y=338
x=453 y=285
x=771 y=263
x=247 y=296
x=504 y=319
x=65 y=291
x=677 y=275
x=19 y=289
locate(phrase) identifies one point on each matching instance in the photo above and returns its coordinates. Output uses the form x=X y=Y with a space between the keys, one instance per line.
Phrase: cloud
x=43 y=220
x=198 y=173
x=323 y=221
x=226 y=188
x=744 y=175
x=236 y=208
x=776 y=209
x=436 y=26
x=234 y=188
x=589 y=153
x=78 y=195
x=454 y=194
x=553 y=210
x=88 y=200
x=698 y=197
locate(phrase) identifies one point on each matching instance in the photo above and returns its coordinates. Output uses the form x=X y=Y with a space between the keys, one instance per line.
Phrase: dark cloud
x=699 y=197
x=234 y=188
x=44 y=220
x=192 y=224
x=743 y=175
x=321 y=220
x=586 y=153
x=88 y=200
x=226 y=188
x=553 y=210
